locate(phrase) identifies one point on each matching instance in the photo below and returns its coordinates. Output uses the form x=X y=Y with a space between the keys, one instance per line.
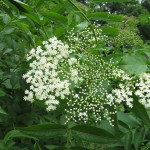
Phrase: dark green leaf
x=22 y=5
x=11 y=5
x=138 y=137
x=100 y=1
x=2 y=93
x=56 y=8
x=105 y=16
x=2 y=111
x=34 y=18
x=128 y=141
x=44 y=130
x=140 y=111
x=78 y=148
x=93 y=134
x=16 y=134
x=68 y=5
x=60 y=19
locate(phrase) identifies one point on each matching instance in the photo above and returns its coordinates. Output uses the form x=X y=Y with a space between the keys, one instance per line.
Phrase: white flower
x=143 y=89
x=72 y=61
x=48 y=77
x=74 y=72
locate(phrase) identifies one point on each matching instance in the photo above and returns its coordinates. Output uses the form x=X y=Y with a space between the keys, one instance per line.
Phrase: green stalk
x=85 y=17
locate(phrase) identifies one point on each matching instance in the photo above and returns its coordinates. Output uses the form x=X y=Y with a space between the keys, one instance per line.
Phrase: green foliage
x=24 y=25
x=127 y=39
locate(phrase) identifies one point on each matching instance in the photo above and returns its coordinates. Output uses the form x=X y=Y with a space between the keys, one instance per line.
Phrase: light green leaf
x=81 y=26
x=134 y=63
x=6 y=19
x=8 y=30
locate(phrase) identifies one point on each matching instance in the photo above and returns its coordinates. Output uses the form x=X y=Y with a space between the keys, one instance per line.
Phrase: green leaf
x=2 y=111
x=59 y=148
x=140 y=111
x=78 y=148
x=22 y=5
x=56 y=8
x=50 y=147
x=2 y=93
x=134 y=63
x=109 y=31
x=60 y=19
x=11 y=5
x=128 y=141
x=105 y=16
x=127 y=119
x=93 y=134
x=54 y=147
x=138 y=137
x=6 y=19
x=100 y=1
x=34 y=18
x=16 y=134
x=59 y=32
x=68 y=5
x=44 y=130
x=8 y=30
x=81 y=26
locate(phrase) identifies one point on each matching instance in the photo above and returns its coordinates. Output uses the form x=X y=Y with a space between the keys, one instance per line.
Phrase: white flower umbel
x=51 y=73
x=90 y=101
x=85 y=39
x=143 y=89
x=122 y=94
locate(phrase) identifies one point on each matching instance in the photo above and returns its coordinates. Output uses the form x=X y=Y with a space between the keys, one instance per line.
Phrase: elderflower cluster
x=89 y=101
x=123 y=94
x=51 y=73
x=85 y=39
x=143 y=89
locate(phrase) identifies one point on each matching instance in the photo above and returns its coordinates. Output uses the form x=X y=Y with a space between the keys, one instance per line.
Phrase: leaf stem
x=85 y=17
